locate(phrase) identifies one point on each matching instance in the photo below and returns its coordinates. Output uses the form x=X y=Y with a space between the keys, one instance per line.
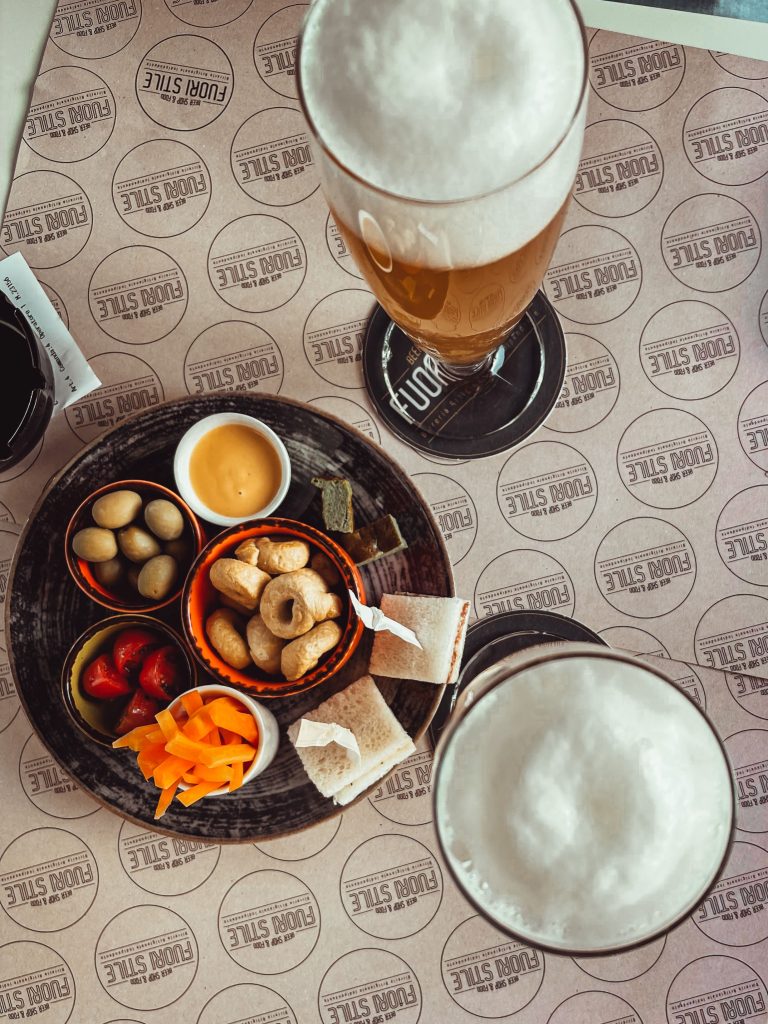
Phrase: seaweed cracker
x=337 y=503
x=377 y=539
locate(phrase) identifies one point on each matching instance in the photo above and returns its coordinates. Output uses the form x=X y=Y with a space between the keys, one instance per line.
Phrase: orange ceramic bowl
x=128 y=600
x=200 y=599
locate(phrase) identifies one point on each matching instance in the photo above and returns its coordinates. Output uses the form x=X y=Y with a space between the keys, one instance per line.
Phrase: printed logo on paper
x=274 y=49
x=334 y=333
x=590 y=388
x=247 y=1004
x=35 y=982
x=146 y=957
x=233 y=356
x=752 y=426
x=735 y=910
x=21 y=468
x=733 y=634
x=711 y=243
x=749 y=692
x=741 y=535
x=130 y=385
x=257 y=263
x=305 y=844
x=52 y=790
x=638 y=641
x=211 y=14
x=161 y=188
x=524 y=581
x=48 y=880
x=350 y=412
x=740 y=67
x=748 y=758
x=762 y=318
x=632 y=74
x=488 y=974
x=689 y=350
x=369 y=983
x=72 y=115
x=9 y=538
x=618 y=180
x=9 y=699
x=184 y=82
x=454 y=511
x=594 y=276
x=645 y=568
x=597 y=1008
x=56 y=302
x=48 y=219
x=95 y=28
x=271 y=158
x=138 y=295
x=667 y=458
x=717 y=988
x=725 y=136
x=687 y=679
x=622 y=966
x=337 y=247
x=165 y=865
x=269 y=922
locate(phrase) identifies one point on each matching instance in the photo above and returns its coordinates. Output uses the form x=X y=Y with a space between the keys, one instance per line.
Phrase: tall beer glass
x=448 y=135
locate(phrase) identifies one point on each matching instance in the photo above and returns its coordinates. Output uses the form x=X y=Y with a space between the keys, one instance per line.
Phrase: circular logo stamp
x=43 y=988
x=735 y=910
x=146 y=957
x=453 y=509
x=637 y=641
x=634 y=74
x=740 y=67
x=48 y=880
x=763 y=318
x=369 y=983
x=689 y=350
x=594 y=276
x=351 y=413
x=257 y=263
x=488 y=974
x=271 y=157
x=711 y=243
x=524 y=581
x=184 y=82
x=334 y=334
x=161 y=188
x=165 y=865
x=716 y=988
x=597 y=1008
x=20 y=469
x=748 y=757
x=138 y=294
x=233 y=356
x=753 y=426
x=546 y=490
x=56 y=302
x=49 y=787
x=622 y=966
x=741 y=535
x=749 y=692
x=130 y=385
x=617 y=180
x=733 y=634
x=5 y=514
x=209 y=15
x=337 y=247
x=247 y=1004
x=72 y=115
x=84 y=28
x=667 y=458
x=305 y=844
x=645 y=568
x=687 y=680
x=9 y=538
x=269 y=922
x=274 y=49
x=725 y=136
x=9 y=699
x=590 y=389
x=405 y=796
x=391 y=887
x=48 y=219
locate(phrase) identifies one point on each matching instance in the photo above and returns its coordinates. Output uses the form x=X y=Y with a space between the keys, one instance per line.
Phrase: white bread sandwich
x=382 y=741
x=440 y=624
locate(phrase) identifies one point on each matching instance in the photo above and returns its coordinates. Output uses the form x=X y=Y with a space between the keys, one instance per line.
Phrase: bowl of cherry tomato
x=120 y=672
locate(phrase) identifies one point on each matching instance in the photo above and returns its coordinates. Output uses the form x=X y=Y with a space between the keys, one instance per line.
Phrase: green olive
x=132 y=575
x=136 y=544
x=157 y=577
x=164 y=519
x=94 y=544
x=109 y=574
x=116 y=509
x=179 y=549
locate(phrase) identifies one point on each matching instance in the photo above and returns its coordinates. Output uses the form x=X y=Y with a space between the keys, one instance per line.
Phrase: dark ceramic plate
x=47 y=612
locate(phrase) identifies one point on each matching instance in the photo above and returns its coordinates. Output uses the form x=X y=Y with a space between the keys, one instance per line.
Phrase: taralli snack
x=322 y=564
x=243 y=583
x=294 y=602
x=440 y=624
x=221 y=629
x=301 y=655
x=274 y=557
x=264 y=646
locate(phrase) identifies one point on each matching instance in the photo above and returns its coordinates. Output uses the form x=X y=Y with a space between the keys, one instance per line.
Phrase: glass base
x=467 y=417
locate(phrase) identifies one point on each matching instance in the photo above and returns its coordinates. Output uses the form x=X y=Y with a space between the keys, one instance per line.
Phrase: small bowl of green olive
x=129 y=545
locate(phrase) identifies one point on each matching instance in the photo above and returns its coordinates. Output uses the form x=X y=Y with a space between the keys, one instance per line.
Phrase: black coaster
x=473 y=418
x=493 y=638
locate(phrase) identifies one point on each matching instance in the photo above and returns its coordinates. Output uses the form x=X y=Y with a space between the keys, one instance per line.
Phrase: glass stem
x=460 y=372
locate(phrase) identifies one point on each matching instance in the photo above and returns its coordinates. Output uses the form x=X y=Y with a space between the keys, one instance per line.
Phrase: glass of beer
x=447 y=135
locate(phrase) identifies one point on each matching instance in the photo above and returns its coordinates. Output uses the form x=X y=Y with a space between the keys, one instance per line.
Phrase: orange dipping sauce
x=235 y=470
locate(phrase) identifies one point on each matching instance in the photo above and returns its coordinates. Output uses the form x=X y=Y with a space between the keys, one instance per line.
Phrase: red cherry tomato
x=140 y=710
x=161 y=673
x=102 y=680
x=131 y=647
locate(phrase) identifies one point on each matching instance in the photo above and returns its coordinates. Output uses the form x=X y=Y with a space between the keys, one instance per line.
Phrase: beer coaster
x=495 y=637
x=473 y=418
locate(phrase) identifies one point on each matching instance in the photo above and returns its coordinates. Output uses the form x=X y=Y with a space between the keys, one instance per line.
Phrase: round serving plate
x=46 y=611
